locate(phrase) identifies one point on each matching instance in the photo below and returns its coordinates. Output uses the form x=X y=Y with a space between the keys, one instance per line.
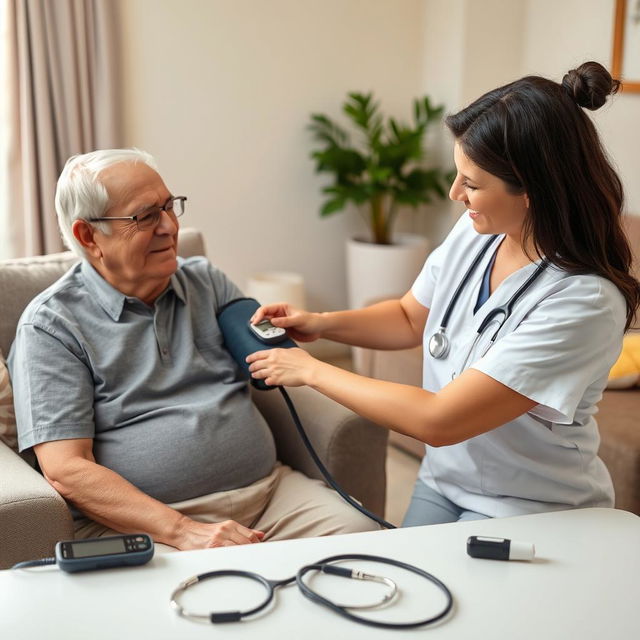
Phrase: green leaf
x=393 y=125
x=420 y=183
x=327 y=131
x=331 y=206
x=360 y=108
x=397 y=153
x=416 y=111
x=385 y=159
x=339 y=161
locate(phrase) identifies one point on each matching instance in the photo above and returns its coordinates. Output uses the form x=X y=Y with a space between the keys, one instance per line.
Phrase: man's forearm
x=107 y=498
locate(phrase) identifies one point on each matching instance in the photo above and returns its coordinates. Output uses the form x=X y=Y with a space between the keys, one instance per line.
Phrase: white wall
x=472 y=46
x=469 y=47
x=220 y=91
x=561 y=35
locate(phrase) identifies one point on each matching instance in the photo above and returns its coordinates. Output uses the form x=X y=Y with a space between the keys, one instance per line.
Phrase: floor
x=402 y=469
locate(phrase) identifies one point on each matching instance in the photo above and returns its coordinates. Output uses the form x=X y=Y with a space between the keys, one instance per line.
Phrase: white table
x=583 y=584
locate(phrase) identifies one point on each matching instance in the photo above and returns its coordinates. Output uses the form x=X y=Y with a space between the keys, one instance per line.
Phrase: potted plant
x=383 y=170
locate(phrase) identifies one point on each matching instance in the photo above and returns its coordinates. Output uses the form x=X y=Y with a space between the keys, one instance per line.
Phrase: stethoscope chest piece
x=439 y=344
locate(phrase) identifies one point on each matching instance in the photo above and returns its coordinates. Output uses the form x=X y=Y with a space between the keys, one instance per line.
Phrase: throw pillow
x=7 y=414
x=625 y=373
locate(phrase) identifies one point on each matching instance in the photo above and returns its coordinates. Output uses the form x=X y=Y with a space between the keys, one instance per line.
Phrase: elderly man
x=134 y=409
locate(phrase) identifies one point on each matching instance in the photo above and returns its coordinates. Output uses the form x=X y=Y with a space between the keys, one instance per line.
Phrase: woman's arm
x=392 y=324
x=472 y=404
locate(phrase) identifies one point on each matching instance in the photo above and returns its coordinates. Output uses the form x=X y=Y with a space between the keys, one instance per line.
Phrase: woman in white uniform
x=521 y=312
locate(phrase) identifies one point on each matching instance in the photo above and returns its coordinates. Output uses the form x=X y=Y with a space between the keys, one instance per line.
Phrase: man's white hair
x=80 y=194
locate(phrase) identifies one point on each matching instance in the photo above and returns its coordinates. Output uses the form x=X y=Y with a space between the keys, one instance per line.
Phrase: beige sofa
x=33 y=516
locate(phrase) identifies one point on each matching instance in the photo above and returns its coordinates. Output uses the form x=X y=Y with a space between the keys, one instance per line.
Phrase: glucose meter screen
x=98 y=548
x=265 y=324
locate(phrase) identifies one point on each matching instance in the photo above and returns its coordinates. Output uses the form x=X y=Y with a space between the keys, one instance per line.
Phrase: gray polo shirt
x=154 y=387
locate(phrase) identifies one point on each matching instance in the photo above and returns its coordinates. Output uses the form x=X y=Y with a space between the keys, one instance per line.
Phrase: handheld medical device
x=499 y=548
x=104 y=553
x=241 y=341
x=267 y=333
x=98 y=553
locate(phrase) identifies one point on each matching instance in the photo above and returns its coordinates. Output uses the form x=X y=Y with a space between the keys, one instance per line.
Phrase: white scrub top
x=556 y=348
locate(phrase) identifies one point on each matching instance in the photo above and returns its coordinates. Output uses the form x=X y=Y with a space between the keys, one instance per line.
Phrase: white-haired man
x=122 y=387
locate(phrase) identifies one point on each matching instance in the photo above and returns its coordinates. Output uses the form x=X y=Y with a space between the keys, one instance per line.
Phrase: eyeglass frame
x=142 y=216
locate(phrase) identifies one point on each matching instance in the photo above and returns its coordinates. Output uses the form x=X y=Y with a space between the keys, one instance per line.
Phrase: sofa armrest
x=33 y=516
x=352 y=448
x=617 y=420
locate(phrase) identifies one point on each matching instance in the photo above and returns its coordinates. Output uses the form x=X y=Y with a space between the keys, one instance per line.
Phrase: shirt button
x=165 y=352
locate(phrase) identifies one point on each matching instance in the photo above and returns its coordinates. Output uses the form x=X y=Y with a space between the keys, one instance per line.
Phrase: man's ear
x=84 y=233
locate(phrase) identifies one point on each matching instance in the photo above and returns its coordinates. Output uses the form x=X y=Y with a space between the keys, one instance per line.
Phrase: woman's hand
x=301 y=325
x=283 y=367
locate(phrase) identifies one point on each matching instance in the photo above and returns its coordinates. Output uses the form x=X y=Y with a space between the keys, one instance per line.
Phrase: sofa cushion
x=7 y=414
x=625 y=373
x=20 y=281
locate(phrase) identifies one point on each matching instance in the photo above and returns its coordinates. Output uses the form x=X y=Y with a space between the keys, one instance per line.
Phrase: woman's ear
x=526 y=201
x=84 y=233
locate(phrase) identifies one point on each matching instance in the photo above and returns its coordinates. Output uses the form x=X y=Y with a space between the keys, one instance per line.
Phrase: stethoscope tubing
x=325 y=565
x=344 y=612
x=463 y=282
x=507 y=308
x=439 y=342
x=226 y=616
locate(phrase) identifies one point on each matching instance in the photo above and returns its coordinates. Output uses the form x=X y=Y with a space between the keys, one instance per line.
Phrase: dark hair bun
x=589 y=85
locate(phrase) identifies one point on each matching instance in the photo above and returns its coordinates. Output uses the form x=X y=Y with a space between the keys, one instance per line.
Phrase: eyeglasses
x=151 y=217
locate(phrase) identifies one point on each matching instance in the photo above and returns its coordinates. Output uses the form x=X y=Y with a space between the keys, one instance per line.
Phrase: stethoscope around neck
x=439 y=342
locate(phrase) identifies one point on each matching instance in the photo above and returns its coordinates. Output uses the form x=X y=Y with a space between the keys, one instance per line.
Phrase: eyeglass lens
x=175 y=206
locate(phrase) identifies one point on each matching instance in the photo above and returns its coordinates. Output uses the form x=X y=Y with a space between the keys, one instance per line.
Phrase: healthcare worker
x=521 y=312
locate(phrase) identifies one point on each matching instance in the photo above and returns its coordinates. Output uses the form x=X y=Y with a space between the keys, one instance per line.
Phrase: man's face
x=137 y=262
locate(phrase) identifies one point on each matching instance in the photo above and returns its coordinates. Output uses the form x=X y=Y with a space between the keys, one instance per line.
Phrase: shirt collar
x=177 y=285
x=112 y=300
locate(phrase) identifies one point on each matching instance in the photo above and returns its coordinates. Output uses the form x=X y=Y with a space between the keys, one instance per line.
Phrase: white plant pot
x=378 y=271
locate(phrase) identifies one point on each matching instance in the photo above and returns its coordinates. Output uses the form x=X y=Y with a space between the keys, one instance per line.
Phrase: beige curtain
x=63 y=100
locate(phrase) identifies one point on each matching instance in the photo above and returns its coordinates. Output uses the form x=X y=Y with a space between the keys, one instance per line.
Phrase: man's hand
x=206 y=535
